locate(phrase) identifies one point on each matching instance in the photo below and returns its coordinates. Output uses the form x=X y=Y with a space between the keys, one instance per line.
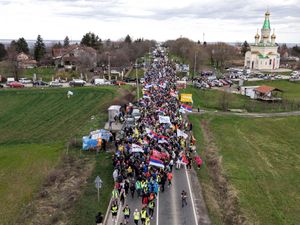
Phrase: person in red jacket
x=170 y=177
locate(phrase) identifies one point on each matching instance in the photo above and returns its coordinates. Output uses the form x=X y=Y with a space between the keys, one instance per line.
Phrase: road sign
x=98 y=185
x=98 y=182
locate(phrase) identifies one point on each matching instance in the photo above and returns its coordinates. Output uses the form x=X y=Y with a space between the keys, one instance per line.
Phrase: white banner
x=136 y=148
x=164 y=119
x=180 y=133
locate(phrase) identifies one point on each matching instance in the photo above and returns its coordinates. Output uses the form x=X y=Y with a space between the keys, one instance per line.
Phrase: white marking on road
x=157 y=210
x=174 y=202
x=118 y=214
x=190 y=189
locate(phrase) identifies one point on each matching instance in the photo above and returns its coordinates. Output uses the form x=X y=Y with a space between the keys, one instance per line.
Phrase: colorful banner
x=186 y=98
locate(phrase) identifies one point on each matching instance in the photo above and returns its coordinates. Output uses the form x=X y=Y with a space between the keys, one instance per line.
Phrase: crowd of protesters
x=145 y=158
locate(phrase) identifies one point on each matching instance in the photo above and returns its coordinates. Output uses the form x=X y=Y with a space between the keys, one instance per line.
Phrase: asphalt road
x=168 y=208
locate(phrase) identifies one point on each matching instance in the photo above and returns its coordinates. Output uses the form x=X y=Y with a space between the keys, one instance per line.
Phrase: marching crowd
x=143 y=161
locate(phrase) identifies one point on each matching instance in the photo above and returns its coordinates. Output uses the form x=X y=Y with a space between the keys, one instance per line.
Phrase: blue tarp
x=95 y=138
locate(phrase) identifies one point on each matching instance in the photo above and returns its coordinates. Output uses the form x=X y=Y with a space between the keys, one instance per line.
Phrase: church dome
x=257 y=36
x=273 y=36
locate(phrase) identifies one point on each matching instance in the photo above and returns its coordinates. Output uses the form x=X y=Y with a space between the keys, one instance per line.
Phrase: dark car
x=1 y=86
x=40 y=83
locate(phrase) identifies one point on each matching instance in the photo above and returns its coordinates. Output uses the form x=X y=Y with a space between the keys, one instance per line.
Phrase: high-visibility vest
x=126 y=211
x=115 y=193
x=147 y=221
x=114 y=209
x=136 y=215
x=151 y=205
x=144 y=214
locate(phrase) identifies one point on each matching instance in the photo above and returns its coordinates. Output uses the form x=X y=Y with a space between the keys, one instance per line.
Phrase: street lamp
x=137 y=80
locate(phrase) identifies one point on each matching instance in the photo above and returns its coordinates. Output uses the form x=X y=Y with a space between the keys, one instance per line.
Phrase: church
x=263 y=54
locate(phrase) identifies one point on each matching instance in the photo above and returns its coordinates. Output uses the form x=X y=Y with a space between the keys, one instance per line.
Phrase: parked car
x=120 y=83
x=55 y=84
x=99 y=82
x=77 y=82
x=9 y=80
x=40 y=83
x=15 y=84
x=25 y=81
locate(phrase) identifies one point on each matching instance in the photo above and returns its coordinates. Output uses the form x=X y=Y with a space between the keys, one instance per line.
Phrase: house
x=25 y=62
x=248 y=91
x=75 y=56
x=267 y=93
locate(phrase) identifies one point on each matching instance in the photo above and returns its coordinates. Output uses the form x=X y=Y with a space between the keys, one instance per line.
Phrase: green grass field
x=261 y=160
x=214 y=99
x=35 y=126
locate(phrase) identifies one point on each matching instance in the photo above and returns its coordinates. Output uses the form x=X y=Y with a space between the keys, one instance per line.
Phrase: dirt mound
x=225 y=194
x=59 y=192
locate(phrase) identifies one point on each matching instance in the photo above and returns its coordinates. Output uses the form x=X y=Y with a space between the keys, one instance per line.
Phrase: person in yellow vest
x=126 y=212
x=147 y=222
x=115 y=194
x=136 y=216
x=144 y=215
x=151 y=206
x=114 y=211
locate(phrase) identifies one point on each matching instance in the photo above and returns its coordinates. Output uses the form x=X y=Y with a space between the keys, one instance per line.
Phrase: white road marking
x=157 y=210
x=190 y=189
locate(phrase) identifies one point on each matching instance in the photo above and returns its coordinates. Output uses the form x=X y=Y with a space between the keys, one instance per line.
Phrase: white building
x=263 y=54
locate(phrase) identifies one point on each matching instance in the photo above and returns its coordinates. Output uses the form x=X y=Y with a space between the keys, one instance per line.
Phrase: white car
x=25 y=81
x=55 y=84
x=77 y=82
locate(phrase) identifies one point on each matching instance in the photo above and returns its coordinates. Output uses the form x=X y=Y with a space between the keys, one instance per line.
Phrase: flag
x=156 y=162
x=187 y=107
x=182 y=110
x=180 y=133
x=146 y=95
x=162 y=139
x=136 y=148
x=151 y=133
x=164 y=119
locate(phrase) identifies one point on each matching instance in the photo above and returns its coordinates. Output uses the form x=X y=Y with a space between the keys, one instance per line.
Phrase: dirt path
x=255 y=115
x=221 y=196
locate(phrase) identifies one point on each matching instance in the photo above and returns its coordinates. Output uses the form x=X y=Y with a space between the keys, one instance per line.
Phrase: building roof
x=266 y=89
x=267 y=21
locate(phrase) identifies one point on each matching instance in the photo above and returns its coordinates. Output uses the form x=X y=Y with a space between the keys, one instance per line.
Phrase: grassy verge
x=88 y=206
x=260 y=158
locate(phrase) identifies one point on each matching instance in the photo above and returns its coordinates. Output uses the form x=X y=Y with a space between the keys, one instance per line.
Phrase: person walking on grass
x=99 y=219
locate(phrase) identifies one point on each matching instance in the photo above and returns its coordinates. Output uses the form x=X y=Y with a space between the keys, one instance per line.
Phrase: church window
x=270 y=62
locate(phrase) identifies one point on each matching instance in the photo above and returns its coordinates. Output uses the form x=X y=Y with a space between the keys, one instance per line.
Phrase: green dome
x=266 y=24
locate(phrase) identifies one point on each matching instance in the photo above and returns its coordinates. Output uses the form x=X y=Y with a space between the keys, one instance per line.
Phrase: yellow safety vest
x=147 y=221
x=115 y=193
x=144 y=214
x=151 y=205
x=114 y=209
x=136 y=216
x=126 y=212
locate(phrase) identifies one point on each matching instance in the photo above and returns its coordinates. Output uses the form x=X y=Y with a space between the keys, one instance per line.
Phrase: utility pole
x=195 y=64
x=109 y=78
x=137 y=81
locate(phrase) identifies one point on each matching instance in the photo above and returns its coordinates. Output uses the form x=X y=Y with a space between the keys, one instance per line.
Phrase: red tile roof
x=265 y=89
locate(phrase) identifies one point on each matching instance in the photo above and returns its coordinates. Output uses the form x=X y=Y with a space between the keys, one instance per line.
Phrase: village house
x=25 y=62
x=74 y=56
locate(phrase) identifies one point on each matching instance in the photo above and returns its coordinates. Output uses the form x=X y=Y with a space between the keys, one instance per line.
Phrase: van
x=9 y=80
x=99 y=82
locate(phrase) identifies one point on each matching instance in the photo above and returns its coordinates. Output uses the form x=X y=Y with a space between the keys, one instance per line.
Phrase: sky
x=219 y=20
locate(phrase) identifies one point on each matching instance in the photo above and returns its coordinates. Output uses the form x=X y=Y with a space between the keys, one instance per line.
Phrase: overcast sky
x=220 y=20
